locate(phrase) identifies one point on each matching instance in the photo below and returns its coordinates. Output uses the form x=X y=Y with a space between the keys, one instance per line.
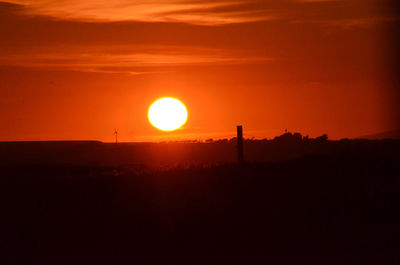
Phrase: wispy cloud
x=206 y=12
x=122 y=59
x=194 y=12
x=351 y=23
x=362 y=22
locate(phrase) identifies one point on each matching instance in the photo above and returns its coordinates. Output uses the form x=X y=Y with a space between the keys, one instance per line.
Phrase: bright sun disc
x=167 y=114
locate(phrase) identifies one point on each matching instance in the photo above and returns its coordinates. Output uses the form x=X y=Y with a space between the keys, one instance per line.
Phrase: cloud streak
x=193 y=12
x=208 y=12
x=122 y=60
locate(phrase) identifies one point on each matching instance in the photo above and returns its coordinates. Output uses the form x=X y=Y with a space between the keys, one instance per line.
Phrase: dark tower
x=116 y=135
x=240 y=144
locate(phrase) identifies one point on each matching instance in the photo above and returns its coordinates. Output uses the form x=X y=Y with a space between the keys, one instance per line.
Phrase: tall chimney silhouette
x=240 y=144
x=116 y=135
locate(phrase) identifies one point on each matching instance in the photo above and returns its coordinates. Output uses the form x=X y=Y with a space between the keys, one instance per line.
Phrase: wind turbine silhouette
x=116 y=135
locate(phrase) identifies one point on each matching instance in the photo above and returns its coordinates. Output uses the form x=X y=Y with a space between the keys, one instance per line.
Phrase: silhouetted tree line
x=171 y=154
x=286 y=137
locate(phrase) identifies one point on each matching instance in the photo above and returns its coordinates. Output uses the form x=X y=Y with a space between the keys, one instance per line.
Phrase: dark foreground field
x=338 y=208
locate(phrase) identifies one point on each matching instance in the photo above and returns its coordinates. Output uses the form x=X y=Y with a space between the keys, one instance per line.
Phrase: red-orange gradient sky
x=73 y=69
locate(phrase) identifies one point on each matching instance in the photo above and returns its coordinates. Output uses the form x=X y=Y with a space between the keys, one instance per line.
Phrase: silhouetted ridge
x=384 y=135
x=287 y=146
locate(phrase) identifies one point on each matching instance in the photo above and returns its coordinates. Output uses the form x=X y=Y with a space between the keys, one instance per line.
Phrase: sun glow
x=167 y=114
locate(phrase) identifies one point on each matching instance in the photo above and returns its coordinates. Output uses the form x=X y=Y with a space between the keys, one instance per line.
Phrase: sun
x=167 y=114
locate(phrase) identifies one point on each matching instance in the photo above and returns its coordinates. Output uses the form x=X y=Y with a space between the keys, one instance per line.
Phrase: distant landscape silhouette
x=297 y=200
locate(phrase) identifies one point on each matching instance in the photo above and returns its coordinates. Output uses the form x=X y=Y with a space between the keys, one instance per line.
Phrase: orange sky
x=73 y=69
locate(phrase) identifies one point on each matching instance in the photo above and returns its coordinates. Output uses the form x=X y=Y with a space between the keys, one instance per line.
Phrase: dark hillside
x=320 y=209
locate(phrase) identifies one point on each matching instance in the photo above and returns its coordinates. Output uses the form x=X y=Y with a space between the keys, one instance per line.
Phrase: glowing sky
x=73 y=69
